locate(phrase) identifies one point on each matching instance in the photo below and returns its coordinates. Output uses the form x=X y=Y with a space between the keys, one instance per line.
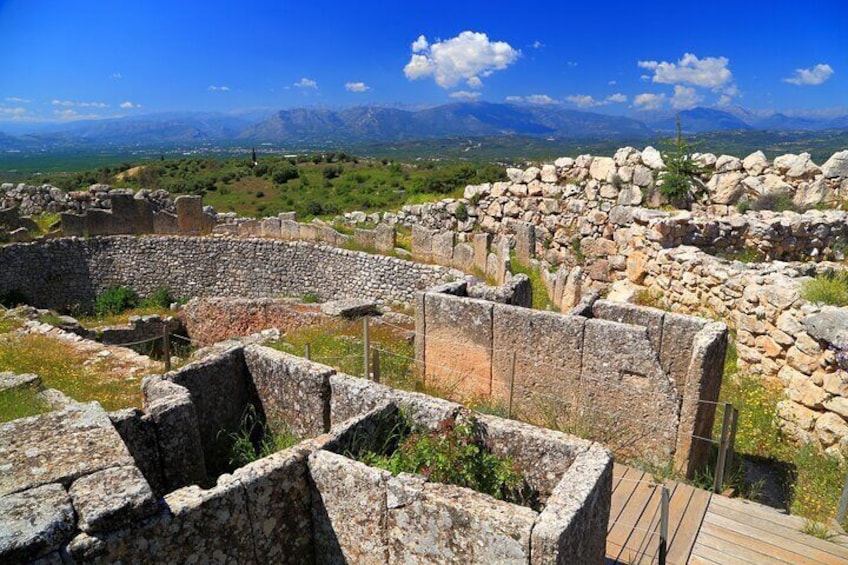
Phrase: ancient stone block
x=139 y=434
x=271 y=227
x=422 y=243
x=73 y=225
x=443 y=243
x=278 y=501
x=250 y=228
x=124 y=215
x=112 y=498
x=650 y=318
x=180 y=446
x=546 y=349
x=165 y=223
x=364 y=238
x=463 y=257
x=481 y=250
x=348 y=510
x=143 y=216
x=58 y=447
x=289 y=229
x=452 y=320
x=677 y=340
x=190 y=217
x=350 y=308
x=292 y=391
x=446 y=524
x=34 y=522
x=385 y=238
x=525 y=242
x=98 y=222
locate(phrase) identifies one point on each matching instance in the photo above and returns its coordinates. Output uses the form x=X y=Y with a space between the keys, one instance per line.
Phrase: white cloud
x=221 y=88
x=306 y=83
x=70 y=114
x=538 y=99
x=474 y=82
x=571 y=64
x=116 y=76
x=612 y=82
x=420 y=44
x=812 y=76
x=16 y=112
x=465 y=95
x=709 y=72
x=647 y=101
x=584 y=100
x=17 y=100
x=71 y=103
x=685 y=97
x=356 y=87
x=537 y=44
x=468 y=56
x=129 y=105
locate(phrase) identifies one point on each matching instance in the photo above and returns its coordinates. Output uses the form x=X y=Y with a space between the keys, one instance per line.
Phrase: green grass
x=817 y=479
x=20 y=403
x=539 y=290
x=829 y=288
x=61 y=367
x=255 y=439
x=94 y=320
x=45 y=221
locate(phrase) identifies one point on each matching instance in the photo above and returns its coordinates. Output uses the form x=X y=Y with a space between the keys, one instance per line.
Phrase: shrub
x=830 y=287
x=115 y=300
x=310 y=298
x=254 y=439
x=454 y=453
x=461 y=212
x=774 y=201
x=159 y=298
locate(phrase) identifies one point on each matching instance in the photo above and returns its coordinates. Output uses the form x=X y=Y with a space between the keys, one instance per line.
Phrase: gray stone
x=112 y=498
x=836 y=166
x=350 y=308
x=652 y=159
x=190 y=216
x=830 y=325
x=34 y=522
x=139 y=434
x=525 y=242
x=443 y=243
x=11 y=381
x=58 y=446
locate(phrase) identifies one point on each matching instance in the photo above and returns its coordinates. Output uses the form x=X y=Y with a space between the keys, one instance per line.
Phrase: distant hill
x=317 y=128
x=470 y=119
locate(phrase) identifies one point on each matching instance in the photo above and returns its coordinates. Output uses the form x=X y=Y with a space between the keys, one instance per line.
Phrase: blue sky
x=63 y=60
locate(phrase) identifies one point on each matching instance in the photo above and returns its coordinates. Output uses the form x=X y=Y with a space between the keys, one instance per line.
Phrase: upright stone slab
x=443 y=243
x=143 y=216
x=364 y=238
x=124 y=214
x=385 y=238
x=190 y=216
x=289 y=229
x=73 y=225
x=463 y=257
x=422 y=243
x=546 y=349
x=35 y=522
x=292 y=391
x=271 y=228
x=678 y=333
x=481 y=251
x=525 y=242
x=165 y=223
x=98 y=222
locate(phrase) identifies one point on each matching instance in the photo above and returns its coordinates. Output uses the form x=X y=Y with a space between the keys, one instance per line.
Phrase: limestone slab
x=34 y=522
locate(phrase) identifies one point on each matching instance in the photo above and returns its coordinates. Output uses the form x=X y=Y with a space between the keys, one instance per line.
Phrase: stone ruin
x=136 y=486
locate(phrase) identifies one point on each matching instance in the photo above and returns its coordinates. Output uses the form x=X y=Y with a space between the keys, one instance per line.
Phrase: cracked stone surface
x=58 y=447
x=34 y=523
x=112 y=498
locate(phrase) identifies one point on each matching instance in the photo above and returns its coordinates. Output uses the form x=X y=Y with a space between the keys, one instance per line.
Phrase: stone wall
x=645 y=378
x=306 y=504
x=61 y=272
x=129 y=215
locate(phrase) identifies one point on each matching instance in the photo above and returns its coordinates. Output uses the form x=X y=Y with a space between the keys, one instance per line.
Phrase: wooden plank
x=765 y=521
x=706 y=548
x=767 y=542
x=649 y=546
x=622 y=527
x=700 y=560
x=754 y=510
x=690 y=520
x=643 y=539
x=732 y=551
x=623 y=491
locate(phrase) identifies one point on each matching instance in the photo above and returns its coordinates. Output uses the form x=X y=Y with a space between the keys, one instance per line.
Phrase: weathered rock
x=58 y=446
x=34 y=522
x=652 y=158
x=727 y=163
x=350 y=308
x=830 y=325
x=112 y=498
x=836 y=166
x=755 y=163
x=726 y=188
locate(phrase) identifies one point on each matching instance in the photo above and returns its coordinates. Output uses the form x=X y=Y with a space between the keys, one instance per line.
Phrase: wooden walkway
x=706 y=529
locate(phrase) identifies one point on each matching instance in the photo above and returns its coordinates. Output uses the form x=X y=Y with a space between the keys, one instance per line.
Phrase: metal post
x=166 y=347
x=308 y=352
x=511 y=386
x=366 y=347
x=731 y=442
x=843 y=504
x=663 y=526
x=375 y=360
x=718 y=483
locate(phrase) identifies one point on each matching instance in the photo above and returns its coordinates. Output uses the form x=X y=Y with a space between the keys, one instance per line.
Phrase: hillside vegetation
x=311 y=185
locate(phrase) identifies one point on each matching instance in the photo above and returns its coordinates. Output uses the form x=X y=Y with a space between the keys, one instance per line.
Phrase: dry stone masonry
x=154 y=492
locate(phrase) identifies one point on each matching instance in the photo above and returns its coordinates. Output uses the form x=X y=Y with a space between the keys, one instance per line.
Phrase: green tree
x=680 y=172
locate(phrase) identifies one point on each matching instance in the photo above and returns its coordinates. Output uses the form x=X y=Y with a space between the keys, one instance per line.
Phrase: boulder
x=726 y=188
x=549 y=174
x=796 y=166
x=531 y=174
x=652 y=158
x=602 y=168
x=350 y=308
x=515 y=175
x=830 y=325
x=727 y=163
x=836 y=166
x=755 y=163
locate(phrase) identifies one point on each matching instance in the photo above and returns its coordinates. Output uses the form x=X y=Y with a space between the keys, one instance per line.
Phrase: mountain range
x=370 y=124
